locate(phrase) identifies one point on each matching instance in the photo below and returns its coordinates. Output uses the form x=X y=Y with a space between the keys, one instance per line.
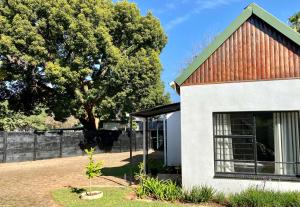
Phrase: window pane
x=242 y=123
x=239 y=167
x=244 y=167
x=265 y=142
x=286 y=142
x=276 y=168
x=243 y=149
x=234 y=142
x=265 y=167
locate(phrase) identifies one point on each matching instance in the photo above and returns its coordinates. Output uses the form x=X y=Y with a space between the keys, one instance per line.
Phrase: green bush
x=165 y=190
x=199 y=194
x=161 y=190
x=220 y=198
x=262 y=198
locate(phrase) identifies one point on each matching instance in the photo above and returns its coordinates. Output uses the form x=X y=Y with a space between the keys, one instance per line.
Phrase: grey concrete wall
x=197 y=106
x=28 y=146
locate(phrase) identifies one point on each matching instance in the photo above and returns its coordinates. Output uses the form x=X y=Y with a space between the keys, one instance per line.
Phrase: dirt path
x=29 y=184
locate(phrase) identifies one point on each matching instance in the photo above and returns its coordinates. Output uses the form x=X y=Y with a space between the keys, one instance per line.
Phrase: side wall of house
x=173 y=139
x=198 y=102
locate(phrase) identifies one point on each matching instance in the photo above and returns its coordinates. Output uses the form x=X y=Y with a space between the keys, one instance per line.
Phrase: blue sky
x=191 y=24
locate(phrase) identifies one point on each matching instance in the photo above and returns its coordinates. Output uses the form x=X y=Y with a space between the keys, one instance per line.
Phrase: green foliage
x=220 y=198
x=295 y=21
x=261 y=198
x=93 y=169
x=91 y=59
x=141 y=174
x=199 y=194
x=165 y=190
x=10 y=120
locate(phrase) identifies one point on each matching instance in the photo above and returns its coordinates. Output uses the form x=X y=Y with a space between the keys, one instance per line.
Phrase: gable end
x=263 y=43
x=255 y=51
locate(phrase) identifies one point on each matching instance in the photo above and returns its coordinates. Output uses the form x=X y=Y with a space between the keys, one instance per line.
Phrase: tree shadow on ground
x=155 y=164
x=76 y=190
x=124 y=170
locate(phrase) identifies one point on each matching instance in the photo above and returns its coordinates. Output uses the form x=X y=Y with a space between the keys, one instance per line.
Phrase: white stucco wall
x=197 y=105
x=173 y=139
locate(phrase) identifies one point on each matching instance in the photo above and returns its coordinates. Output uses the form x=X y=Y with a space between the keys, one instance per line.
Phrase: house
x=240 y=103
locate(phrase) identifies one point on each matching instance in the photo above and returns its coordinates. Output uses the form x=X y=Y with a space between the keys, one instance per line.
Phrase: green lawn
x=112 y=197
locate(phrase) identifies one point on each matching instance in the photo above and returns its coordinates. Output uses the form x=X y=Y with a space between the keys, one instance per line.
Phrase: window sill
x=257 y=177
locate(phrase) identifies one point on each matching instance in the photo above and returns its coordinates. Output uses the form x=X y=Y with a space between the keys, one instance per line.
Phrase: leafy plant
x=40 y=120
x=11 y=120
x=93 y=169
x=295 y=21
x=261 y=198
x=141 y=175
x=199 y=194
x=220 y=198
x=165 y=190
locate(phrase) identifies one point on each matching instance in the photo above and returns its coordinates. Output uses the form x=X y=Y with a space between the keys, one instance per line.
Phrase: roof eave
x=175 y=86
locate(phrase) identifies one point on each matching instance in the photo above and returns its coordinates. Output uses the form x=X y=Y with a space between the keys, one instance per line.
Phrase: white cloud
x=199 y=6
x=170 y=6
x=178 y=20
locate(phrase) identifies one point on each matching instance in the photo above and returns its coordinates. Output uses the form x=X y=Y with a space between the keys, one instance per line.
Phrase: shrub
x=161 y=190
x=199 y=194
x=166 y=190
x=261 y=198
x=220 y=198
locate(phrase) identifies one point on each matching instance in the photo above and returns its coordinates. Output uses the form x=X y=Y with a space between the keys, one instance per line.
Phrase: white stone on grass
x=93 y=196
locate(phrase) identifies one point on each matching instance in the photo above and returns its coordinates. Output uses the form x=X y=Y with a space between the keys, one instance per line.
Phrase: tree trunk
x=90 y=186
x=89 y=125
x=89 y=121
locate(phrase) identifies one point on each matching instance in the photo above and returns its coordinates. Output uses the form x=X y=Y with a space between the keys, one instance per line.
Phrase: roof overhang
x=175 y=86
x=156 y=111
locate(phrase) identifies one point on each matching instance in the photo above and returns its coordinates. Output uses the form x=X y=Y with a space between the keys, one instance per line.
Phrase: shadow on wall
x=103 y=139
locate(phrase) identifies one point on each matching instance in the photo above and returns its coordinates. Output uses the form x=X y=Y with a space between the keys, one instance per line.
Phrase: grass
x=112 y=197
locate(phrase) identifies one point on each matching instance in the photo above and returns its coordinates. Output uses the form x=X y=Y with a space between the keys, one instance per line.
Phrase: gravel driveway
x=28 y=184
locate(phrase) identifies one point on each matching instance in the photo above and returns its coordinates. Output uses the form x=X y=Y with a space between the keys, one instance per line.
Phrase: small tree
x=93 y=169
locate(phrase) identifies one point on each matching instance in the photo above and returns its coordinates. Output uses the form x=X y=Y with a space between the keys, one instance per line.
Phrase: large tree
x=295 y=21
x=87 y=58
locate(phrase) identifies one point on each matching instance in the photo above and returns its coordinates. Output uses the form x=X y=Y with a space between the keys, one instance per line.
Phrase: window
x=260 y=143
